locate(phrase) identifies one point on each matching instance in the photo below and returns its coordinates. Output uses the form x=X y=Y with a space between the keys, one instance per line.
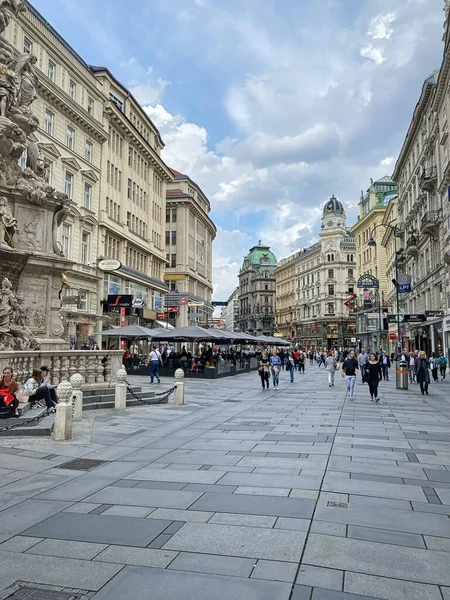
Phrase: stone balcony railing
x=98 y=367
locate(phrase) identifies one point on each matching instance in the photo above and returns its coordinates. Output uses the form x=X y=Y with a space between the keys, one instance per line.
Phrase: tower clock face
x=330 y=206
x=330 y=223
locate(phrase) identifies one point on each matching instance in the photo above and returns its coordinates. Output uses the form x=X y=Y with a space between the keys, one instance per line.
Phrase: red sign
x=183 y=300
x=392 y=336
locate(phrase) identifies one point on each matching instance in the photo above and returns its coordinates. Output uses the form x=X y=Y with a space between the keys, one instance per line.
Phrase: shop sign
x=392 y=336
x=70 y=299
x=446 y=325
x=120 y=301
x=368 y=281
x=434 y=314
x=174 y=277
x=415 y=318
x=392 y=318
x=109 y=264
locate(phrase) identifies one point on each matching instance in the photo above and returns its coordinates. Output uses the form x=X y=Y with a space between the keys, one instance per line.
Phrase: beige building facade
x=230 y=312
x=371 y=261
x=188 y=236
x=132 y=205
x=422 y=172
x=314 y=285
x=70 y=135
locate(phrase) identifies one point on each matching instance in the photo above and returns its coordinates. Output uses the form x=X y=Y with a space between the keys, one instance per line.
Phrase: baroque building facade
x=372 y=329
x=189 y=234
x=322 y=276
x=70 y=136
x=257 y=291
x=422 y=173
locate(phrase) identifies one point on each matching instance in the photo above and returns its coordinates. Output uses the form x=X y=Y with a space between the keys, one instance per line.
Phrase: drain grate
x=28 y=593
x=82 y=464
x=338 y=504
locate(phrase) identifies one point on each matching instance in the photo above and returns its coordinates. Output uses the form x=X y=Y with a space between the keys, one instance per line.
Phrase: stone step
x=109 y=403
x=43 y=428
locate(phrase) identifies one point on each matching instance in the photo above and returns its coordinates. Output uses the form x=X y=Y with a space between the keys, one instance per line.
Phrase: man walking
x=154 y=360
x=362 y=360
x=385 y=363
x=350 y=371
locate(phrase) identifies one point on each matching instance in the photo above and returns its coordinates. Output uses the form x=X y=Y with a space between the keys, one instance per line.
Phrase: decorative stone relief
x=14 y=332
x=8 y=224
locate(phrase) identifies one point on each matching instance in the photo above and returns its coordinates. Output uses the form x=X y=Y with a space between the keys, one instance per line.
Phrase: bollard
x=76 y=381
x=401 y=375
x=179 y=391
x=63 y=421
x=120 y=402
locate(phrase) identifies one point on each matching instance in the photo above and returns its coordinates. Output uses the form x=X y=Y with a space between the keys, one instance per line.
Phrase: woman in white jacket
x=36 y=393
x=330 y=366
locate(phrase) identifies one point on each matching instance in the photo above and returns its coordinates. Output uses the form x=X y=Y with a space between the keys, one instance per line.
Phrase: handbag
x=8 y=398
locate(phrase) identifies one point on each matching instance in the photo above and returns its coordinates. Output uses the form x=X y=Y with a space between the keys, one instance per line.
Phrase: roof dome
x=260 y=255
x=334 y=207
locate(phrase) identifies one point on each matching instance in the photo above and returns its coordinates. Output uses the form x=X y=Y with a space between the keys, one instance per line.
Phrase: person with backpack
x=442 y=364
x=154 y=360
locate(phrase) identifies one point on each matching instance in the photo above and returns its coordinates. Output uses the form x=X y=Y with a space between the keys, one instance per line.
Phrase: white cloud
x=380 y=26
x=372 y=53
x=387 y=161
x=142 y=83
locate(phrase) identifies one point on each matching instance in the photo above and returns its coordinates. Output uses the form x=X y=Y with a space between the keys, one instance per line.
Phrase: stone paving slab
x=141 y=497
x=182 y=476
x=127 y=531
x=248 y=542
x=213 y=564
x=389 y=589
x=136 y=582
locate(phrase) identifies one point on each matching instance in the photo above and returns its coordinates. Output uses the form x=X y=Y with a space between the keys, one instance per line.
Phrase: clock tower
x=333 y=219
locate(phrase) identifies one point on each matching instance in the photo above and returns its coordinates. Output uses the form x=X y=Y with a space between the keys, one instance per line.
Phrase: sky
x=271 y=106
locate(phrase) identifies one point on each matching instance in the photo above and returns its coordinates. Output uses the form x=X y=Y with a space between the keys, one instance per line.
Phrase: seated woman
x=45 y=373
x=38 y=393
x=8 y=390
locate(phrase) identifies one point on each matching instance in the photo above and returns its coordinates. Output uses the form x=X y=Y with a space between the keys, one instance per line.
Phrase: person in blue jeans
x=350 y=371
x=154 y=360
x=290 y=365
x=275 y=367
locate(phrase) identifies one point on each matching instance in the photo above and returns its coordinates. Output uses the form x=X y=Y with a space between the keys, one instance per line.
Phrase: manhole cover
x=27 y=593
x=338 y=504
x=82 y=464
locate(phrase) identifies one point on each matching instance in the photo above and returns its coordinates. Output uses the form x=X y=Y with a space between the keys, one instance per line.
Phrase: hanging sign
x=368 y=281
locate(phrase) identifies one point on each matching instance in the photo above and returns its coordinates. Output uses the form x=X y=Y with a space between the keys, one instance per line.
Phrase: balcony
x=400 y=230
x=428 y=179
x=412 y=246
x=430 y=223
x=401 y=258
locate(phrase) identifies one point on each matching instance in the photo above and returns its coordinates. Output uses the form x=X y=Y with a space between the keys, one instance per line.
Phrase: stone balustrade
x=98 y=367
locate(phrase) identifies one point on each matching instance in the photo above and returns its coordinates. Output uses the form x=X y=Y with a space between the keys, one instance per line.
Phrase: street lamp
x=372 y=243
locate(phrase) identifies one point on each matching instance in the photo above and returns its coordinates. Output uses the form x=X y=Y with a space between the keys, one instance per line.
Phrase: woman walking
x=290 y=365
x=275 y=367
x=412 y=367
x=264 y=370
x=350 y=371
x=434 y=366
x=330 y=366
x=422 y=373
x=373 y=376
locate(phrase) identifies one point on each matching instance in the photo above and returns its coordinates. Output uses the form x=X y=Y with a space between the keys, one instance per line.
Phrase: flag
x=404 y=283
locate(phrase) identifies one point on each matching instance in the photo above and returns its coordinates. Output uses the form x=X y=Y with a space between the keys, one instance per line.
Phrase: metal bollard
x=76 y=381
x=179 y=391
x=120 y=401
x=63 y=421
x=401 y=375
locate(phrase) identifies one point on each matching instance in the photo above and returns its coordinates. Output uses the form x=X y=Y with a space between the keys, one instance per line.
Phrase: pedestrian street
x=240 y=494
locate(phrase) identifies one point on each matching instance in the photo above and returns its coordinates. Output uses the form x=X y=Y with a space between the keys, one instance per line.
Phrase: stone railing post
x=120 y=402
x=63 y=420
x=179 y=391
x=76 y=381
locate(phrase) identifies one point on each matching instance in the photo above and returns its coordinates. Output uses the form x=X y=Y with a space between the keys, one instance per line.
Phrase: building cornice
x=124 y=125
x=175 y=201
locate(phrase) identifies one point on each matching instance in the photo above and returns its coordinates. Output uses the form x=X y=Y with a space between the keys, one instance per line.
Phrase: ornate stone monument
x=31 y=211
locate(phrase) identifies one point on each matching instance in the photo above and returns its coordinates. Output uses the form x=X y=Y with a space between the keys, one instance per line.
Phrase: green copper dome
x=260 y=255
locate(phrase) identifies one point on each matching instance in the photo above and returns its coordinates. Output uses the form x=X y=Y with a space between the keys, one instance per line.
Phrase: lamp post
x=372 y=243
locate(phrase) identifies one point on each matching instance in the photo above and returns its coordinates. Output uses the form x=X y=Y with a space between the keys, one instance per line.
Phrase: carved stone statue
x=7 y=87
x=28 y=236
x=59 y=216
x=25 y=80
x=8 y=224
x=33 y=157
x=14 y=333
x=5 y=17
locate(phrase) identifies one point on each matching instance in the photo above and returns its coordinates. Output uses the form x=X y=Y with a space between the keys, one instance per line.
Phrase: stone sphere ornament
x=179 y=374
x=64 y=391
x=121 y=375
x=76 y=381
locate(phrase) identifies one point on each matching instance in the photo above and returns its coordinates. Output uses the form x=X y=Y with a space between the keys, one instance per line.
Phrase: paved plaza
x=240 y=494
